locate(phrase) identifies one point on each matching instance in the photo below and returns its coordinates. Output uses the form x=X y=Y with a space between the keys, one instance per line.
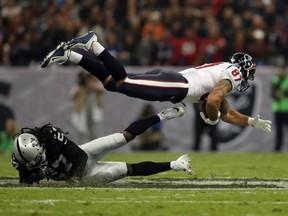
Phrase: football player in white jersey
x=47 y=152
x=208 y=84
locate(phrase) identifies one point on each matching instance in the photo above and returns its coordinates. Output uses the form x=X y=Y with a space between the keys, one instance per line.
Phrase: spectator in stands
x=163 y=49
x=191 y=51
x=253 y=25
x=214 y=44
x=154 y=26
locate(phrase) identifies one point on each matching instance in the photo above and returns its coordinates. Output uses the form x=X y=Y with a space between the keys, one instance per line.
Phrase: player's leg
x=89 y=42
x=104 y=172
x=110 y=171
x=81 y=57
x=150 y=168
x=138 y=127
x=101 y=146
x=156 y=86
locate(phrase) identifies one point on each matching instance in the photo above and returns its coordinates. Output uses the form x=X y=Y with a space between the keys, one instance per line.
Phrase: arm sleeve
x=77 y=157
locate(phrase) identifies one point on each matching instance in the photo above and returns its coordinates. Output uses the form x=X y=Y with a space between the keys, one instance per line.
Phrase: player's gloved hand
x=264 y=125
x=207 y=120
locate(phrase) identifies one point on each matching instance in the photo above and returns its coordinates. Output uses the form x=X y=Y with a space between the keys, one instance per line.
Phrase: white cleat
x=84 y=41
x=183 y=164
x=171 y=113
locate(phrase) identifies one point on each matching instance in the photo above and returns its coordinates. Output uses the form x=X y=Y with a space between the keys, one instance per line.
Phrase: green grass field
x=222 y=184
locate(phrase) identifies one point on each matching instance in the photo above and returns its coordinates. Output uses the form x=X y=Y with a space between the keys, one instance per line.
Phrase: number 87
x=235 y=73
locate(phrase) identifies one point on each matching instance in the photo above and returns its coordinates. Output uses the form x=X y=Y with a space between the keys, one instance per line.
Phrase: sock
x=139 y=126
x=160 y=117
x=94 y=67
x=149 y=168
x=75 y=57
x=97 y=48
x=114 y=67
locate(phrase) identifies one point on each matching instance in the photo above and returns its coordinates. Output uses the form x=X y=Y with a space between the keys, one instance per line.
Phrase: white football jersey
x=202 y=79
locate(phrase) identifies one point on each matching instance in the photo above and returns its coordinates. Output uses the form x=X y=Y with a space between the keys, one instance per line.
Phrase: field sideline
x=222 y=184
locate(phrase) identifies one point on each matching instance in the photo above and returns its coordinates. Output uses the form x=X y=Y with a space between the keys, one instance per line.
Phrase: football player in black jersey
x=46 y=152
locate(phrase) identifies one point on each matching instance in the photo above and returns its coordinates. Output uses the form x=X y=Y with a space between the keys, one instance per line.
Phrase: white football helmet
x=28 y=151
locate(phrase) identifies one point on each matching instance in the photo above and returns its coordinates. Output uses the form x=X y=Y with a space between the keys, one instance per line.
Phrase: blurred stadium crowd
x=147 y=32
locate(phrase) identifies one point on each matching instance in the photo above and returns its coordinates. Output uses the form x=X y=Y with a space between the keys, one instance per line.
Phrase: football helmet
x=28 y=151
x=247 y=67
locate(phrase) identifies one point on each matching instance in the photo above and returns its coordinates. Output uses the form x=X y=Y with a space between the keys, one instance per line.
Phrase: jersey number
x=234 y=73
x=60 y=136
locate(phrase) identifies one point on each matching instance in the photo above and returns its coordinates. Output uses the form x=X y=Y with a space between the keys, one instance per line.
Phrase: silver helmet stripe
x=20 y=153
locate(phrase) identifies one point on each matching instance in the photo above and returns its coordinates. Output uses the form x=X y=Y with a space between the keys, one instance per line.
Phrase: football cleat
x=183 y=164
x=171 y=113
x=84 y=41
x=57 y=55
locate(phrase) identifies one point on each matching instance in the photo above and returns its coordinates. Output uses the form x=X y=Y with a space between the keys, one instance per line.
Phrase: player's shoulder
x=214 y=66
x=229 y=66
x=50 y=134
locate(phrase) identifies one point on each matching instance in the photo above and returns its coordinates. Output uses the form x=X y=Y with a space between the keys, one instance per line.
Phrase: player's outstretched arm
x=232 y=116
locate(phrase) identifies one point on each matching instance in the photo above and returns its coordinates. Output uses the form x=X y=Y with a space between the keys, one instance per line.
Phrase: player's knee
x=120 y=82
x=115 y=173
x=128 y=136
x=110 y=85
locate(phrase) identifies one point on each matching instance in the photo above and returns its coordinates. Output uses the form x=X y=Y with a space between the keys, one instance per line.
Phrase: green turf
x=223 y=184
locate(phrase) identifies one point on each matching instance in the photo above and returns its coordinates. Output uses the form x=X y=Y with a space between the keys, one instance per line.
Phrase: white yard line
x=140 y=200
x=166 y=184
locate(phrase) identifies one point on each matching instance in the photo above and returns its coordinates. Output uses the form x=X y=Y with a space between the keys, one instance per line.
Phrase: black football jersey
x=64 y=158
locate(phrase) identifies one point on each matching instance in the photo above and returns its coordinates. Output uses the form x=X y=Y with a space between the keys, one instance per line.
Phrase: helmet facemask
x=39 y=161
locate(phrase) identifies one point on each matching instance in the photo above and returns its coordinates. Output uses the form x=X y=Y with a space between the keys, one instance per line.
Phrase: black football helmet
x=247 y=67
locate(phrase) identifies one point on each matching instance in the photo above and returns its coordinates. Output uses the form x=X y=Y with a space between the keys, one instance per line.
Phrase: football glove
x=207 y=120
x=264 y=125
